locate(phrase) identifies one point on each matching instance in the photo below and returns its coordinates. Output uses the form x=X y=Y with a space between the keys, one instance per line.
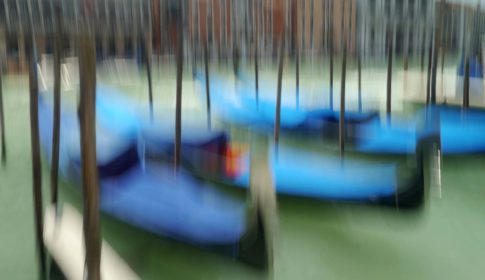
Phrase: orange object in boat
x=233 y=159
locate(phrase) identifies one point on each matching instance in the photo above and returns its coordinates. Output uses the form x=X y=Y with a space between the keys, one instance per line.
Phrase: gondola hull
x=296 y=173
x=148 y=196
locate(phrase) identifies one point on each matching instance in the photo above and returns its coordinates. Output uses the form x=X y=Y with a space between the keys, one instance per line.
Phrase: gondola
x=460 y=131
x=208 y=154
x=476 y=68
x=152 y=197
x=243 y=108
x=475 y=82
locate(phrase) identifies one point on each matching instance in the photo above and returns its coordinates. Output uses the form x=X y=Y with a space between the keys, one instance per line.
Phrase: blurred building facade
x=309 y=26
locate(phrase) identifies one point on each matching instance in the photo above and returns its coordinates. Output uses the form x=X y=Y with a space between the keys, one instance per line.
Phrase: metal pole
x=437 y=47
x=297 y=58
x=256 y=48
x=466 y=64
x=207 y=86
x=428 y=82
x=178 y=99
x=2 y=123
x=359 y=62
x=405 y=30
x=342 y=91
x=389 y=73
x=57 y=104
x=149 y=55
x=466 y=83
x=278 y=89
x=35 y=144
x=87 y=110
x=134 y=30
x=331 y=53
x=36 y=163
x=444 y=46
x=423 y=47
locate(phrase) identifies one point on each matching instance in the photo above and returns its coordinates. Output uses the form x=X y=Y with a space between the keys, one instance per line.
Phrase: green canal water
x=314 y=239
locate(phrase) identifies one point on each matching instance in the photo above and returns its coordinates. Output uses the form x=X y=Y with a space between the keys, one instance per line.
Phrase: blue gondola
x=476 y=68
x=244 y=109
x=151 y=196
x=327 y=178
x=460 y=131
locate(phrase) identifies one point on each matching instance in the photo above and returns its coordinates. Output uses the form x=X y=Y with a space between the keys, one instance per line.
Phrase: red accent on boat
x=233 y=164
